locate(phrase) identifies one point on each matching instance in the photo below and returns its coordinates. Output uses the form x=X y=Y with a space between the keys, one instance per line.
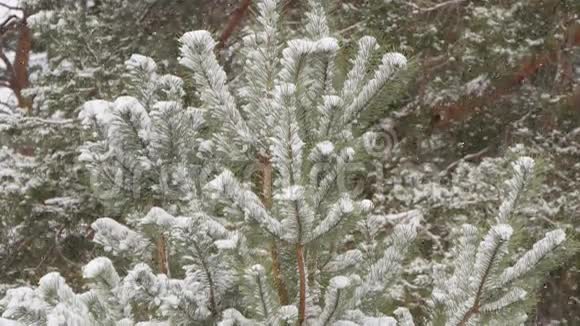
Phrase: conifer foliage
x=295 y=248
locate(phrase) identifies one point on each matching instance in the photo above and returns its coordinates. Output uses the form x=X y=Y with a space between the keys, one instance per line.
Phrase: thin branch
x=9 y=106
x=4 y=27
x=9 y=7
x=467 y=157
x=7 y=62
x=477 y=304
x=351 y=27
x=435 y=7
x=212 y=300
x=48 y=121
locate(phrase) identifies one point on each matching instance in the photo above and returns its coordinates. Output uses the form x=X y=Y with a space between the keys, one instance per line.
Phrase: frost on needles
x=291 y=248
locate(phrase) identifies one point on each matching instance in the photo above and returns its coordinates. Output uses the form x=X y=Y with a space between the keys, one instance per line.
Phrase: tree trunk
x=302 y=275
x=266 y=185
x=19 y=80
x=162 y=256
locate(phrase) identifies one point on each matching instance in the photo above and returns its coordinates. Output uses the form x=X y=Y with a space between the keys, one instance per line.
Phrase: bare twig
x=48 y=121
x=351 y=27
x=9 y=107
x=467 y=157
x=6 y=24
x=9 y=7
x=7 y=63
x=435 y=7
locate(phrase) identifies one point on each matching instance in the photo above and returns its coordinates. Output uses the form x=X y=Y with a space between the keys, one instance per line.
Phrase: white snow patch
x=325 y=147
x=138 y=61
x=101 y=268
x=477 y=85
x=346 y=205
x=291 y=193
x=340 y=282
x=158 y=216
x=99 y=110
x=380 y=321
x=395 y=59
x=227 y=244
x=327 y=44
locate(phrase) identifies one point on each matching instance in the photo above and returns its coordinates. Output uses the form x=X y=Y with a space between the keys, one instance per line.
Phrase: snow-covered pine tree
x=139 y=146
x=298 y=249
x=146 y=148
x=480 y=289
x=78 y=51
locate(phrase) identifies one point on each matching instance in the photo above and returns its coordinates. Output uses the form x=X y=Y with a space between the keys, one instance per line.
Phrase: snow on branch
x=335 y=300
x=391 y=63
x=522 y=171
x=259 y=293
x=142 y=72
x=197 y=55
x=117 y=238
x=316 y=24
x=388 y=267
x=530 y=259
x=489 y=254
x=357 y=74
x=260 y=68
x=226 y=185
x=286 y=143
x=294 y=61
x=404 y=317
x=513 y=296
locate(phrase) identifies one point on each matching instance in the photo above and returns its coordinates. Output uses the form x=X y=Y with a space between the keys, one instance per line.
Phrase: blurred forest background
x=487 y=75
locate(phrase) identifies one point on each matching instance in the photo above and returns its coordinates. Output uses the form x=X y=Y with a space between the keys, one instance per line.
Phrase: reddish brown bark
x=302 y=291
x=16 y=71
x=266 y=185
x=233 y=23
x=279 y=282
x=162 y=259
x=16 y=77
x=19 y=79
x=445 y=115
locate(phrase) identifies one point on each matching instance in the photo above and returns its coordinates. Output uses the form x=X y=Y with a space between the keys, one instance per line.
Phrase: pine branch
x=229 y=187
x=487 y=257
x=208 y=274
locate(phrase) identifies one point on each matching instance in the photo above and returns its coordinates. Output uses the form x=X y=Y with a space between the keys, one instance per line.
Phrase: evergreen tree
x=295 y=247
x=78 y=53
x=494 y=74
